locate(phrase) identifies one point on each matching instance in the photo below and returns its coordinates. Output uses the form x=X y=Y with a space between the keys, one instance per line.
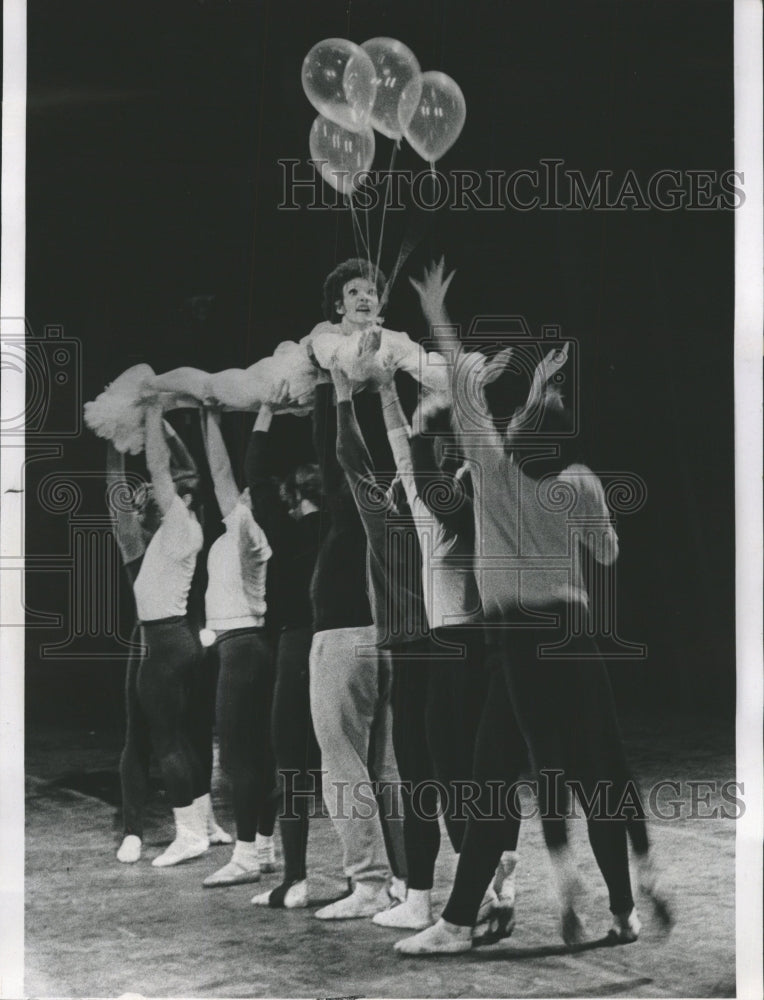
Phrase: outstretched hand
x=386 y=369
x=369 y=342
x=432 y=291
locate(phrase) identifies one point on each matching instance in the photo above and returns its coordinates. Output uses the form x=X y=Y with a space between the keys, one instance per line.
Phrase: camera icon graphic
x=44 y=376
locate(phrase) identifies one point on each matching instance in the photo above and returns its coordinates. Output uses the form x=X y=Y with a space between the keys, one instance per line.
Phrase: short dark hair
x=356 y=267
x=307 y=482
x=189 y=486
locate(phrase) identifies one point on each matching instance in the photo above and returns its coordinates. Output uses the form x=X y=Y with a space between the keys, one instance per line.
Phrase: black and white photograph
x=381 y=483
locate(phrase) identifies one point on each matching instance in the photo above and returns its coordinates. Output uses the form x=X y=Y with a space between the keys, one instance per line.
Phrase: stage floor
x=100 y=929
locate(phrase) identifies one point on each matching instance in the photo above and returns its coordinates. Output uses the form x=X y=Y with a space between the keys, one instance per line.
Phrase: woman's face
x=290 y=498
x=360 y=302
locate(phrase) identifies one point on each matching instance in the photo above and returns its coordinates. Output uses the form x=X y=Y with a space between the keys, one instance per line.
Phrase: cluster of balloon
x=378 y=85
x=339 y=80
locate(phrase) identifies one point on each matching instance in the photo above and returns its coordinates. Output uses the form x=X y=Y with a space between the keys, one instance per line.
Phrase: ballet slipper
x=440 y=939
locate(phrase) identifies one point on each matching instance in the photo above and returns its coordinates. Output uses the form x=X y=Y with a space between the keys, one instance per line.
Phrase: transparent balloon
x=397 y=71
x=438 y=118
x=340 y=154
x=339 y=80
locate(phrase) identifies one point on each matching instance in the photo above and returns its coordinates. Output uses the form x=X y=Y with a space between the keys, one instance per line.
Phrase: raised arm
x=325 y=440
x=226 y=490
x=352 y=453
x=432 y=291
x=263 y=493
x=158 y=458
x=127 y=526
x=470 y=414
x=180 y=457
x=544 y=372
x=398 y=430
x=443 y=494
x=368 y=497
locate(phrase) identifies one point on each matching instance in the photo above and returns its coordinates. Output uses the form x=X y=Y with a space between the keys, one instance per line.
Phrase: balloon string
x=358 y=229
x=384 y=207
x=368 y=241
x=417 y=227
x=355 y=234
x=407 y=246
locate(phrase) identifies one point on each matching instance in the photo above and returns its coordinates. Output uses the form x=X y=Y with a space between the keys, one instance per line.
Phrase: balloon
x=339 y=154
x=340 y=82
x=397 y=69
x=438 y=118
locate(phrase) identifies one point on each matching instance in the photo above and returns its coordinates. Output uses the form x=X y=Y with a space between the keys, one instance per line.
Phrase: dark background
x=153 y=234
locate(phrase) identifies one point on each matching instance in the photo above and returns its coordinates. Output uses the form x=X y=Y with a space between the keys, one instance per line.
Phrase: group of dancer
x=394 y=633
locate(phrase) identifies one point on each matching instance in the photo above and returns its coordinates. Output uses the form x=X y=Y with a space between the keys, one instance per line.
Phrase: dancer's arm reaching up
x=443 y=493
x=181 y=462
x=370 y=498
x=263 y=493
x=181 y=532
x=432 y=291
x=226 y=490
x=127 y=525
x=469 y=372
x=158 y=458
x=352 y=453
x=398 y=430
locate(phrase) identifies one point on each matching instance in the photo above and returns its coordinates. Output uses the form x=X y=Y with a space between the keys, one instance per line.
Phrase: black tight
x=421 y=831
x=456 y=694
x=297 y=753
x=201 y=717
x=245 y=691
x=436 y=709
x=494 y=823
x=158 y=690
x=565 y=709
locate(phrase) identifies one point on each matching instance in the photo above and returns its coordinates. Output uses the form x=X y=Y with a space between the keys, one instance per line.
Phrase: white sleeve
x=399 y=444
x=253 y=544
x=590 y=504
x=181 y=534
x=475 y=426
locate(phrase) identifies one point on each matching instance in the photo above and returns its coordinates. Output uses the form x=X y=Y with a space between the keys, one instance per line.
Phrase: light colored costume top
x=448 y=581
x=529 y=533
x=331 y=345
x=236 y=570
x=164 y=580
